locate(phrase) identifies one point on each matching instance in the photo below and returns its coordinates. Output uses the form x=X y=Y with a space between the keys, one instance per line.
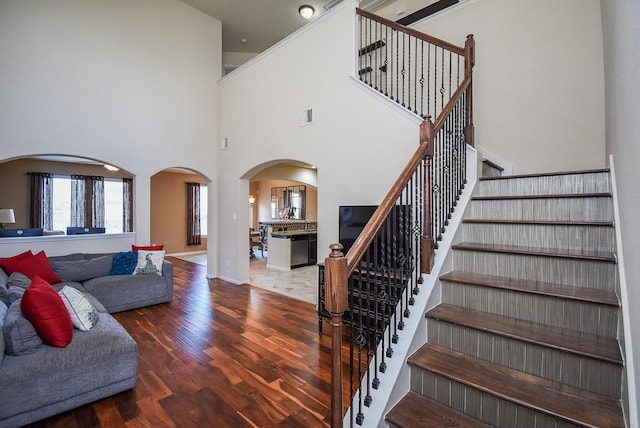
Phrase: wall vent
x=306 y=117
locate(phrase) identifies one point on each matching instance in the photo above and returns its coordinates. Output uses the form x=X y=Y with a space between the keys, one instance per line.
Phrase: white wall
x=358 y=144
x=621 y=29
x=128 y=82
x=538 y=79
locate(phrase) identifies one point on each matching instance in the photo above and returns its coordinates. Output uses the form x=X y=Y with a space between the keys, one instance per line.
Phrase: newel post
x=427 y=244
x=469 y=62
x=336 y=301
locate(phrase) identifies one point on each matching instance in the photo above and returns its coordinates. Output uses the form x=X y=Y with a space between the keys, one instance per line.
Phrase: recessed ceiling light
x=243 y=41
x=306 y=11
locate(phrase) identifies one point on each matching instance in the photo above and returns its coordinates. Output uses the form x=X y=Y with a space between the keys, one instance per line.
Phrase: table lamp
x=6 y=216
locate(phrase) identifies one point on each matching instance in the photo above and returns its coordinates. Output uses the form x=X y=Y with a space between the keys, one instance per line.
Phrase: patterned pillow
x=83 y=314
x=149 y=263
x=124 y=263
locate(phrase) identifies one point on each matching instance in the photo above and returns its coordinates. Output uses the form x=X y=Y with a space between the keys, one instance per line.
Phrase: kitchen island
x=290 y=249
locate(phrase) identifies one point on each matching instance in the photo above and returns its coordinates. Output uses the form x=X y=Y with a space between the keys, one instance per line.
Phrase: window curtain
x=41 y=212
x=193 y=214
x=127 y=204
x=87 y=201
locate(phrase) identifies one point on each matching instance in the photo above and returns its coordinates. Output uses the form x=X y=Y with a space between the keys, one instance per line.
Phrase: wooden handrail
x=340 y=267
x=410 y=31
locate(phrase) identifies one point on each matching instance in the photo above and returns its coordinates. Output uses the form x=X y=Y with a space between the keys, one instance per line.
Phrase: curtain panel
x=87 y=201
x=41 y=209
x=127 y=204
x=193 y=214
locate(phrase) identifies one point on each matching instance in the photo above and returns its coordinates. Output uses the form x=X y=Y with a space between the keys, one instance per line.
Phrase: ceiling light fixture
x=306 y=11
x=111 y=167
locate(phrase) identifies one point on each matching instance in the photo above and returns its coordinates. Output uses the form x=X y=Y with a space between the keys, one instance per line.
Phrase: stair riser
x=570 y=369
x=577 y=272
x=554 y=209
x=591 y=238
x=546 y=185
x=485 y=407
x=575 y=315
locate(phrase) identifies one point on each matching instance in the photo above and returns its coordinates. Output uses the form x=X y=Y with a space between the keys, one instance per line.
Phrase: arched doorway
x=282 y=201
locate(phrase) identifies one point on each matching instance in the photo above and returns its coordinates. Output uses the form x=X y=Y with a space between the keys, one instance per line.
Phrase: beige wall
x=15 y=190
x=169 y=211
x=622 y=61
x=538 y=84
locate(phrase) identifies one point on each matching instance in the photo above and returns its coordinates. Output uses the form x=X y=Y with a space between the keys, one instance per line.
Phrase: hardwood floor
x=219 y=355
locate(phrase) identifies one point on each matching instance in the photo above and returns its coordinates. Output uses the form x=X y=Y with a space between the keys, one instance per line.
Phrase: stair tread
x=583 y=344
x=415 y=410
x=546 y=174
x=542 y=196
x=571 y=404
x=606 y=256
x=540 y=222
x=583 y=294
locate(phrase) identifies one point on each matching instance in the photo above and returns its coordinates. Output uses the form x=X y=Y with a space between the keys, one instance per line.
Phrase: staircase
x=526 y=334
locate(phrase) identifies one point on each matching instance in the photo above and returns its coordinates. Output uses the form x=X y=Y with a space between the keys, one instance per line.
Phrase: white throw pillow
x=83 y=314
x=149 y=263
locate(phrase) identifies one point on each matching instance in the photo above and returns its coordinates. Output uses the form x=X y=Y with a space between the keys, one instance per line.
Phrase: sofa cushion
x=37 y=264
x=4 y=290
x=20 y=337
x=42 y=305
x=149 y=263
x=16 y=285
x=81 y=270
x=3 y=314
x=19 y=280
x=83 y=314
x=124 y=263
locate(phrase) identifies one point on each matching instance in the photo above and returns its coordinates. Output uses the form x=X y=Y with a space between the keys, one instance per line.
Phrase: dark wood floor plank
x=219 y=355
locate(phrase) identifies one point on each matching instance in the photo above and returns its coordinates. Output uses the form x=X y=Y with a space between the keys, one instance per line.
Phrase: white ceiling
x=265 y=22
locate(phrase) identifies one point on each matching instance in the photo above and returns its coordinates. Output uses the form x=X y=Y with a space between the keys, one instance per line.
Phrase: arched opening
x=283 y=206
x=65 y=181
x=172 y=207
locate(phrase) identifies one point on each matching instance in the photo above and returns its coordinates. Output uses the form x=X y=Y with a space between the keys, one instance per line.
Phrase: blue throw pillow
x=124 y=263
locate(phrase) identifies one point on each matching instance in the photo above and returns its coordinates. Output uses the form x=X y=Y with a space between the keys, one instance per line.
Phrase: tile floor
x=300 y=283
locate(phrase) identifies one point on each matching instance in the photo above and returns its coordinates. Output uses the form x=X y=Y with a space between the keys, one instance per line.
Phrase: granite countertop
x=289 y=233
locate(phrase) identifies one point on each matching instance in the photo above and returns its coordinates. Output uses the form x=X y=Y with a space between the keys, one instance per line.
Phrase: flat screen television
x=352 y=219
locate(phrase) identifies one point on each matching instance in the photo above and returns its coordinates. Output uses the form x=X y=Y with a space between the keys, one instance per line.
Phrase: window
x=113 y=204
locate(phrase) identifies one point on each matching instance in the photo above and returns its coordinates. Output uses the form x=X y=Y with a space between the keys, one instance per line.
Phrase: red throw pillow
x=31 y=266
x=147 y=247
x=6 y=263
x=44 y=308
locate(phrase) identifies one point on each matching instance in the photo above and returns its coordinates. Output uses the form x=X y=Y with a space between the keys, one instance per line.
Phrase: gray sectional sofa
x=96 y=363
